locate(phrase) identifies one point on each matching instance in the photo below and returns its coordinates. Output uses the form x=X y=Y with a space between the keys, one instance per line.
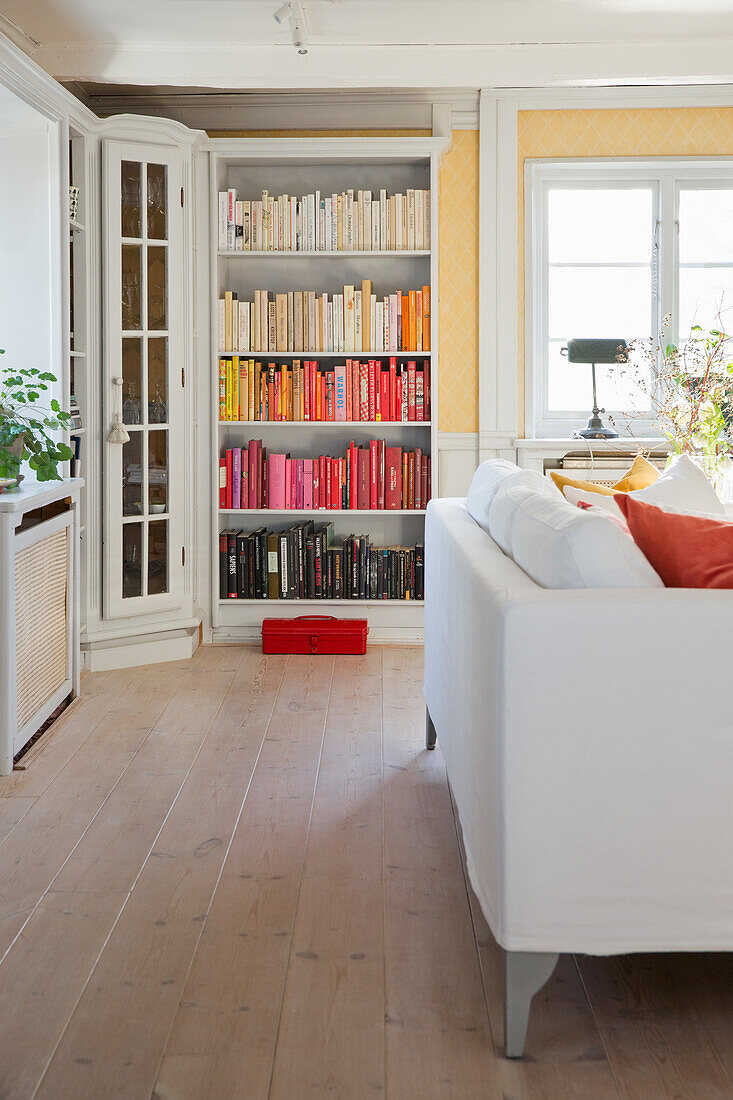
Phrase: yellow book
x=251 y=381
x=229 y=390
x=222 y=389
x=243 y=390
x=235 y=388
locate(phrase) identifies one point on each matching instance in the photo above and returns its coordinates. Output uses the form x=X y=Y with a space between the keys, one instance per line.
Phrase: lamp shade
x=598 y=351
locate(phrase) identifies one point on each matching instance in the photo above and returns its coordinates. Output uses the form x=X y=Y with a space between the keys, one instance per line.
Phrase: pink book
x=340 y=387
x=245 y=478
x=299 y=483
x=288 y=483
x=276 y=465
x=236 y=478
x=308 y=483
x=349 y=377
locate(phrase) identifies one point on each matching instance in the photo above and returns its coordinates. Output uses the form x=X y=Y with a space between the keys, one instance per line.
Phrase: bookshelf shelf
x=365 y=425
x=272 y=356
x=392 y=254
x=381 y=512
x=325 y=603
x=300 y=166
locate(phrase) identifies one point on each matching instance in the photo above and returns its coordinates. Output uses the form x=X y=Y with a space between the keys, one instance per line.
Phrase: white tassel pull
x=118 y=433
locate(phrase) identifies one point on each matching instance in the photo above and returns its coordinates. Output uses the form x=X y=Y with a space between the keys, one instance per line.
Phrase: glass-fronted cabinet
x=144 y=308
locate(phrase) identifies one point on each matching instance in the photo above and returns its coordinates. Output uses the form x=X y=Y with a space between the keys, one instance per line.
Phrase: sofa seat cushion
x=561 y=546
x=688 y=551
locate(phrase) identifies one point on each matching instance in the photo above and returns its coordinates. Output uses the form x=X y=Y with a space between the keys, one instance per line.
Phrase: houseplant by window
x=26 y=427
x=689 y=389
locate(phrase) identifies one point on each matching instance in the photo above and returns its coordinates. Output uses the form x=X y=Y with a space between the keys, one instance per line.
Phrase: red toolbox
x=314 y=634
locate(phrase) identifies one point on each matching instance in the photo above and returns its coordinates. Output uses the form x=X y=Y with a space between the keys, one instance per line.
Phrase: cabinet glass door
x=144 y=307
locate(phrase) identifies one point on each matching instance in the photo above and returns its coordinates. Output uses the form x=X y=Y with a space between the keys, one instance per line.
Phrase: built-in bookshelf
x=76 y=380
x=286 y=169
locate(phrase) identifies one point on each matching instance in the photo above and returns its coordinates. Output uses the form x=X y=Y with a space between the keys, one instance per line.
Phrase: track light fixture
x=293 y=13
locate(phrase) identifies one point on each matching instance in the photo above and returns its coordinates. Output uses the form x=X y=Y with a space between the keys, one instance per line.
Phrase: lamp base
x=596 y=429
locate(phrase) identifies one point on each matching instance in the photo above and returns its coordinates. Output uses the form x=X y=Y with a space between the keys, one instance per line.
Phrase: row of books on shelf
x=305 y=563
x=354 y=220
x=377 y=477
x=351 y=322
x=369 y=390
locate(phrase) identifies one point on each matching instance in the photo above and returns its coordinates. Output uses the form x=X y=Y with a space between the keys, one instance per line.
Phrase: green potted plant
x=26 y=427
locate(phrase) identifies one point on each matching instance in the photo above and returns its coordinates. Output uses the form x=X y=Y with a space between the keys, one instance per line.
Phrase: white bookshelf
x=297 y=167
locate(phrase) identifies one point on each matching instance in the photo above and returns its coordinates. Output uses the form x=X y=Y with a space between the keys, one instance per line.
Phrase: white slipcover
x=588 y=738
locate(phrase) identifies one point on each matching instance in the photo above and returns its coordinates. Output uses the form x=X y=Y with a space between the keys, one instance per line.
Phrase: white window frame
x=665 y=175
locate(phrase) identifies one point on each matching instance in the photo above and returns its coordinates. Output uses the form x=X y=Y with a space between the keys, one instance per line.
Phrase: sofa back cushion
x=505 y=504
x=561 y=546
x=682 y=487
x=484 y=486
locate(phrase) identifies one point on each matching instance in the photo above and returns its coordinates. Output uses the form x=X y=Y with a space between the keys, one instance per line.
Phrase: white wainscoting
x=458 y=459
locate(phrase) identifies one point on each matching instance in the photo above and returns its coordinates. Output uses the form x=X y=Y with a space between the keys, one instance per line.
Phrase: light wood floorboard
x=241 y=878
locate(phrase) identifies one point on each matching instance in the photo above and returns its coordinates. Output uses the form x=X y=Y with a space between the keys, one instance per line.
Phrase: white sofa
x=588 y=739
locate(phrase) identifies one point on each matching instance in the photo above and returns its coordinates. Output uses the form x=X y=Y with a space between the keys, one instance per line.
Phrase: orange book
x=426 y=318
x=406 y=323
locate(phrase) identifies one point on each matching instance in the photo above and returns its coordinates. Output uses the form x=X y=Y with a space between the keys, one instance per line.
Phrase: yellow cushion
x=641 y=474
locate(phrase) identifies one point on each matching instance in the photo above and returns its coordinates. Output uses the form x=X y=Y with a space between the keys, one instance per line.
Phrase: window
x=612 y=248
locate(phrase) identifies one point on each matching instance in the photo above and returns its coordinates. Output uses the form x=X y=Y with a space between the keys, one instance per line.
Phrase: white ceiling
x=237 y=44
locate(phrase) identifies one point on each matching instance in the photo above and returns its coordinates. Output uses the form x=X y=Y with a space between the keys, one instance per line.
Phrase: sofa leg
x=430 y=735
x=525 y=974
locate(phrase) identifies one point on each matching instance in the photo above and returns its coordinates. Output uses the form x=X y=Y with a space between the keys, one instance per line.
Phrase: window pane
x=157 y=201
x=706 y=226
x=599 y=225
x=599 y=301
x=158 y=471
x=131 y=379
x=706 y=298
x=130 y=195
x=157 y=379
x=157 y=557
x=131 y=261
x=570 y=387
x=132 y=474
x=132 y=555
x=157 y=286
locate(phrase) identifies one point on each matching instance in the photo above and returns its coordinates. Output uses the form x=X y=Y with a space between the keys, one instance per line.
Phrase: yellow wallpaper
x=458 y=305
x=458 y=259
x=659 y=132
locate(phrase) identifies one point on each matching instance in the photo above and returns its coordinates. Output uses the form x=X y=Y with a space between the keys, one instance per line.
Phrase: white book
x=231 y=219
x=299 y=225
x=317 y=221
x=398 y=222
x=223 y=220
x=392 y=323
x=360 y=220
x=367 y=242
x=311 y=223
x=427 y=219
x=244 y=326
x=235 y=325
x=322 y=226
x=411 y=219
x=419 y=219
x=293 y=224
x=358 y=319
x=291 y=321
x=379 y=309
x=383 y=234
x=221 y=342
x=247 y=226
x=375 y=220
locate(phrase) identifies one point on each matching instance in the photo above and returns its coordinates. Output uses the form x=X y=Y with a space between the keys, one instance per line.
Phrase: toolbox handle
x=313 y=618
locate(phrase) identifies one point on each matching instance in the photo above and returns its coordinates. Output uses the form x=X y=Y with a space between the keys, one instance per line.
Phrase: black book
x=419 y=572
x=310 y=567
x=363 y=560
x=282 y=548
x=373 y=587
x=242 y=566
x=232 y=565
x=224 y=565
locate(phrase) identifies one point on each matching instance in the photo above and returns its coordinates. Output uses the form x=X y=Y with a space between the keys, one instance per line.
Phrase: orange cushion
x=686 y=551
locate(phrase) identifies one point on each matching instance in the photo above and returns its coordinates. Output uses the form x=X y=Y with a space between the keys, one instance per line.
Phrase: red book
x=424 y=481
x=418 y=478
x=338 y=496
x=372 y=368
x=384 y=393
x=429 y=493
x=245 y=478
x=411 y=390
x=373 y=475
x=223 y=482
x=322 y=473
x=393 y=478
x=352 y=475
x=230 y=479
x=362 y=478
x=426 y=385
x=380 y=474
x=393 y=389
x=405 y=479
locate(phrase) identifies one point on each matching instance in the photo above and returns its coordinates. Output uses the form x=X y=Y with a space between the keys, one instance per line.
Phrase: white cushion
x=483 y=487
x=561 y=546
x=682 y=487
x=504 y=505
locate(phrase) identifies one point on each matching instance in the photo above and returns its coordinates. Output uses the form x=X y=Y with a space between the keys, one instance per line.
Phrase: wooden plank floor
x=241 y=877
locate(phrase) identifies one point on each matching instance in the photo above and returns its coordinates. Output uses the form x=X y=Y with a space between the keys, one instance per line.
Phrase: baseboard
x=141 y=649
x=385 y=636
